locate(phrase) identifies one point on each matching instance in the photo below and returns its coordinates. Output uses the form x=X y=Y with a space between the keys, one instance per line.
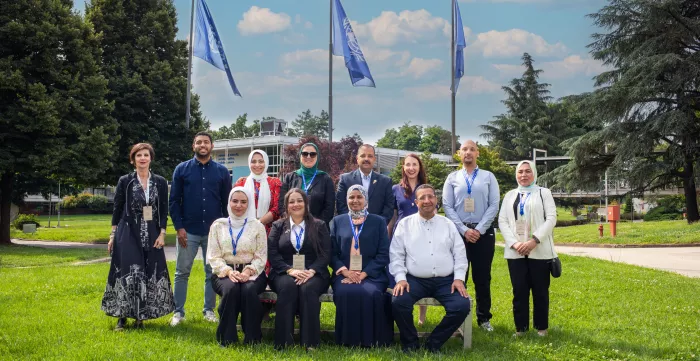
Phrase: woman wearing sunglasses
x=317 y=184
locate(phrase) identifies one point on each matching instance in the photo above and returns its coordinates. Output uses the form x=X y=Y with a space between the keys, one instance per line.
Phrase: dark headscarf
x=309 y=172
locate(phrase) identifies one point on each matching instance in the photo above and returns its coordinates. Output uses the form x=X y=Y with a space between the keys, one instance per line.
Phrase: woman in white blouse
x=526 y=220
x=237 y=254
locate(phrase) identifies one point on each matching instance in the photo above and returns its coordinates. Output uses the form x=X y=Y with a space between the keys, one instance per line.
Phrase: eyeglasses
x=309 y=154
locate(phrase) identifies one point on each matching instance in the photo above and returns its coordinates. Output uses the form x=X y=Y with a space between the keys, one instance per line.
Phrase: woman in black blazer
x=298 y=288
x=316 y=183
x=363 y=307
x=138 y=284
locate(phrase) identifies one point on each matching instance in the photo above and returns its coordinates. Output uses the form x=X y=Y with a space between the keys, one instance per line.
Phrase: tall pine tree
x=147 y=71
x=54 y=118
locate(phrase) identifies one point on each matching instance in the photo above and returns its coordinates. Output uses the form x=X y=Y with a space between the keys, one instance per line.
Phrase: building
x=233 y=153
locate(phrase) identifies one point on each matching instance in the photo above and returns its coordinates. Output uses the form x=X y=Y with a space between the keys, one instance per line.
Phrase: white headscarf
x=236 y=221
x=533 y=186
x=264 y=196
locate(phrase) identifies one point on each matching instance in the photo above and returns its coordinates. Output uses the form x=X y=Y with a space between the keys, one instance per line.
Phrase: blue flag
x=207 y=44
x=345 y=44
x=460 y=43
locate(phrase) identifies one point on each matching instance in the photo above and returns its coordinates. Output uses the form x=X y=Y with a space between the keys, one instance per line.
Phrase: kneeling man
x=428 y=259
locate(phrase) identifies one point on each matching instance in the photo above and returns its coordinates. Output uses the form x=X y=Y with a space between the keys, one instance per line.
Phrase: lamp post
x=534 y=159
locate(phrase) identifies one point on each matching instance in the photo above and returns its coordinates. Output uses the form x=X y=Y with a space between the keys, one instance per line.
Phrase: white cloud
x=562 y=69
x=441 y=90
x=319 y=57
x=390 y=28
x=418 y=67
x=290 y=78
x=308 y=25
x=514 y=42
x=262 y=20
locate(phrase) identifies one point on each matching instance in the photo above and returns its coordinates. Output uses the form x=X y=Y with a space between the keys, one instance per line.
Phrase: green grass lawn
x=599 y=310
x=27 y=256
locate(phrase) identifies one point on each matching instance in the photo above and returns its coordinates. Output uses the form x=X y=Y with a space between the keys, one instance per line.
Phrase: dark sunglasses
x=309 y=154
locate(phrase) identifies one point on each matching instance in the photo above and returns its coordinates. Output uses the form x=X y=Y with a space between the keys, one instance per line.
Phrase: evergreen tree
x=147 y=71
x=54 y=118
x=308 y=124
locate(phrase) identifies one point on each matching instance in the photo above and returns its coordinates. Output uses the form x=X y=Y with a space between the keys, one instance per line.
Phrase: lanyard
x=234 y=242
x=523 y=200
x=470 y=184
x=306 y=187
x=256 y=185
x=356 y=234
x=298 y=236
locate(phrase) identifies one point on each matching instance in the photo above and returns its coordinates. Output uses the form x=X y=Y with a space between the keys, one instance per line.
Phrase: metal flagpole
x=454 y=145
x=189 y=70
x=330 y=74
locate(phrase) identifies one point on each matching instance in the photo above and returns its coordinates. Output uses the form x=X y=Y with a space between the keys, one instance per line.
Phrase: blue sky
x=277 y=50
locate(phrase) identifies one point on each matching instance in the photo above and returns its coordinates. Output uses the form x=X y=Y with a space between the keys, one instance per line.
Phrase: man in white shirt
x=428 y=259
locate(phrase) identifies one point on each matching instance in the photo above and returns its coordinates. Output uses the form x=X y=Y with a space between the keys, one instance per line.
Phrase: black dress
x=291 y=298
x=138 y=285
x=321 y=195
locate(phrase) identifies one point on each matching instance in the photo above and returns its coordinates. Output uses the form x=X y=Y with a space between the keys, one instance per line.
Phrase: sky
x=278 y=52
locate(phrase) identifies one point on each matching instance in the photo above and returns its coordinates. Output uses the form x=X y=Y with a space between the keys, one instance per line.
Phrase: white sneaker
x=177 y=318
x=487 y=326
x=210 y=316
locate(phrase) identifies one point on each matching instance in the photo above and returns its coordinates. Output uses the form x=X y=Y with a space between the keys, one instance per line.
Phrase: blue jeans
x=185 y=259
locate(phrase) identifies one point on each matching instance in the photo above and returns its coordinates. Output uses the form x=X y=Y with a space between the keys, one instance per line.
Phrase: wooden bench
x=465 y=331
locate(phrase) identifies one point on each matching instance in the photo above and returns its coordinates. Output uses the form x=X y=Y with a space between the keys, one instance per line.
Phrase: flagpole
x=453 y=80
x=189 y=71
x=330 y=74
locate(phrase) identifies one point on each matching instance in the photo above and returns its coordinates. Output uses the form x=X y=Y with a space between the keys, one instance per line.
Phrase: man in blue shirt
x=198 y=196
x=470 y=198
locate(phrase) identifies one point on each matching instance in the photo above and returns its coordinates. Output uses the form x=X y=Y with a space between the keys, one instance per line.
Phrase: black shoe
x=121 y=323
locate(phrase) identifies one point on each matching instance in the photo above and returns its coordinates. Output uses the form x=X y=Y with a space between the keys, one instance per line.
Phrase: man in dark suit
x=378 y=186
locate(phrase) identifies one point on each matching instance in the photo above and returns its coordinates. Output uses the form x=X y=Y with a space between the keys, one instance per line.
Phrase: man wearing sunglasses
x=380 y=197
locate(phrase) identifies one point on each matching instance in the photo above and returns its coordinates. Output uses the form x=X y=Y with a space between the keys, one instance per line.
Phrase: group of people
x=300 y=234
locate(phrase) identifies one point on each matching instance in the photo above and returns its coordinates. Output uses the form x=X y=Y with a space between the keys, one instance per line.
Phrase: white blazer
x=542 y=219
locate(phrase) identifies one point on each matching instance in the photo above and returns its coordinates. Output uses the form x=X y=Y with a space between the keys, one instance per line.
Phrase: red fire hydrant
x=600 y=230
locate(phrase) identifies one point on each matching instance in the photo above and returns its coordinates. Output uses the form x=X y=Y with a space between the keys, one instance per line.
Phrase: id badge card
x=299 y=262
x=356 y=262
x=148 y=213
x=469 y=205
x=521 y=230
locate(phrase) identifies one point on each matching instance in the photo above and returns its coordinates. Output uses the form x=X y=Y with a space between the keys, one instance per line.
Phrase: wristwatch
x=536 y=240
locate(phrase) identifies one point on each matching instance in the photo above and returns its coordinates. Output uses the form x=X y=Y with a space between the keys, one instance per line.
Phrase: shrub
x=69 y=202
x=97 y=202
x=627 y=216
x=575 y=222
x=23 y=219
x=662 y=213
x=87 y=201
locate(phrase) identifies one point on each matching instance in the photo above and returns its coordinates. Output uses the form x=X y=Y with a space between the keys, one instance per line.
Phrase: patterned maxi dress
x=138 y=285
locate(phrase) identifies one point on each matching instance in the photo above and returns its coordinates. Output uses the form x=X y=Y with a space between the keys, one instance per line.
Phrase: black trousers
x=480 y=256
x=239 y=298
x=530 y=275
x=440 y=288
x=303 y=298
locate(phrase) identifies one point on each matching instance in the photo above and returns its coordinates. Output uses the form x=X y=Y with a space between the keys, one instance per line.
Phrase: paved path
x=683 y=260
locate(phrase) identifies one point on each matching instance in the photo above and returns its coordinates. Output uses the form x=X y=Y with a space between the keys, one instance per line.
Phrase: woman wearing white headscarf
x=266 y=189
x=237 y=255
x=359 y=259
x=526 y=220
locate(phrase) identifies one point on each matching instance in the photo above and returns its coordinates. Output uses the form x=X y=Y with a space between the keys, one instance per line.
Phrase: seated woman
x=300 y=249
x=360 y=255
x=237 y=255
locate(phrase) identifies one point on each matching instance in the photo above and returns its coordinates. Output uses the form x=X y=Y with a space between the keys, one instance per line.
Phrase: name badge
x=469 y=205
x=148 y=213
x=299 y=262
x=356 y=262
x=521 y=230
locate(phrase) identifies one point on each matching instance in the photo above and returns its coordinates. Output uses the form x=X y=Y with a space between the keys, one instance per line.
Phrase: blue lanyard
x=356 y=234
x=466 y=178
x=298 y=236
x=234 y=242
x=523 y=200
x=306 y=187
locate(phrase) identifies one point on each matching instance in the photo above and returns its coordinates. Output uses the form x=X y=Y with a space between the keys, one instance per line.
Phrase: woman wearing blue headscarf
x=360 y=255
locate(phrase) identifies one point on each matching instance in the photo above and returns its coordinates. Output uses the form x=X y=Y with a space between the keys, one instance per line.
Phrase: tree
x=54 y=118
x=437 y=140
x=238 y=129
x=147 y=71
x=307 y=124
x=389 y=139
x=647 y=105
x=490 y=160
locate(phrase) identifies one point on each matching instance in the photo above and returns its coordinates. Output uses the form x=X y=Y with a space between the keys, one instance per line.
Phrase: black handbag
x=555 y=267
